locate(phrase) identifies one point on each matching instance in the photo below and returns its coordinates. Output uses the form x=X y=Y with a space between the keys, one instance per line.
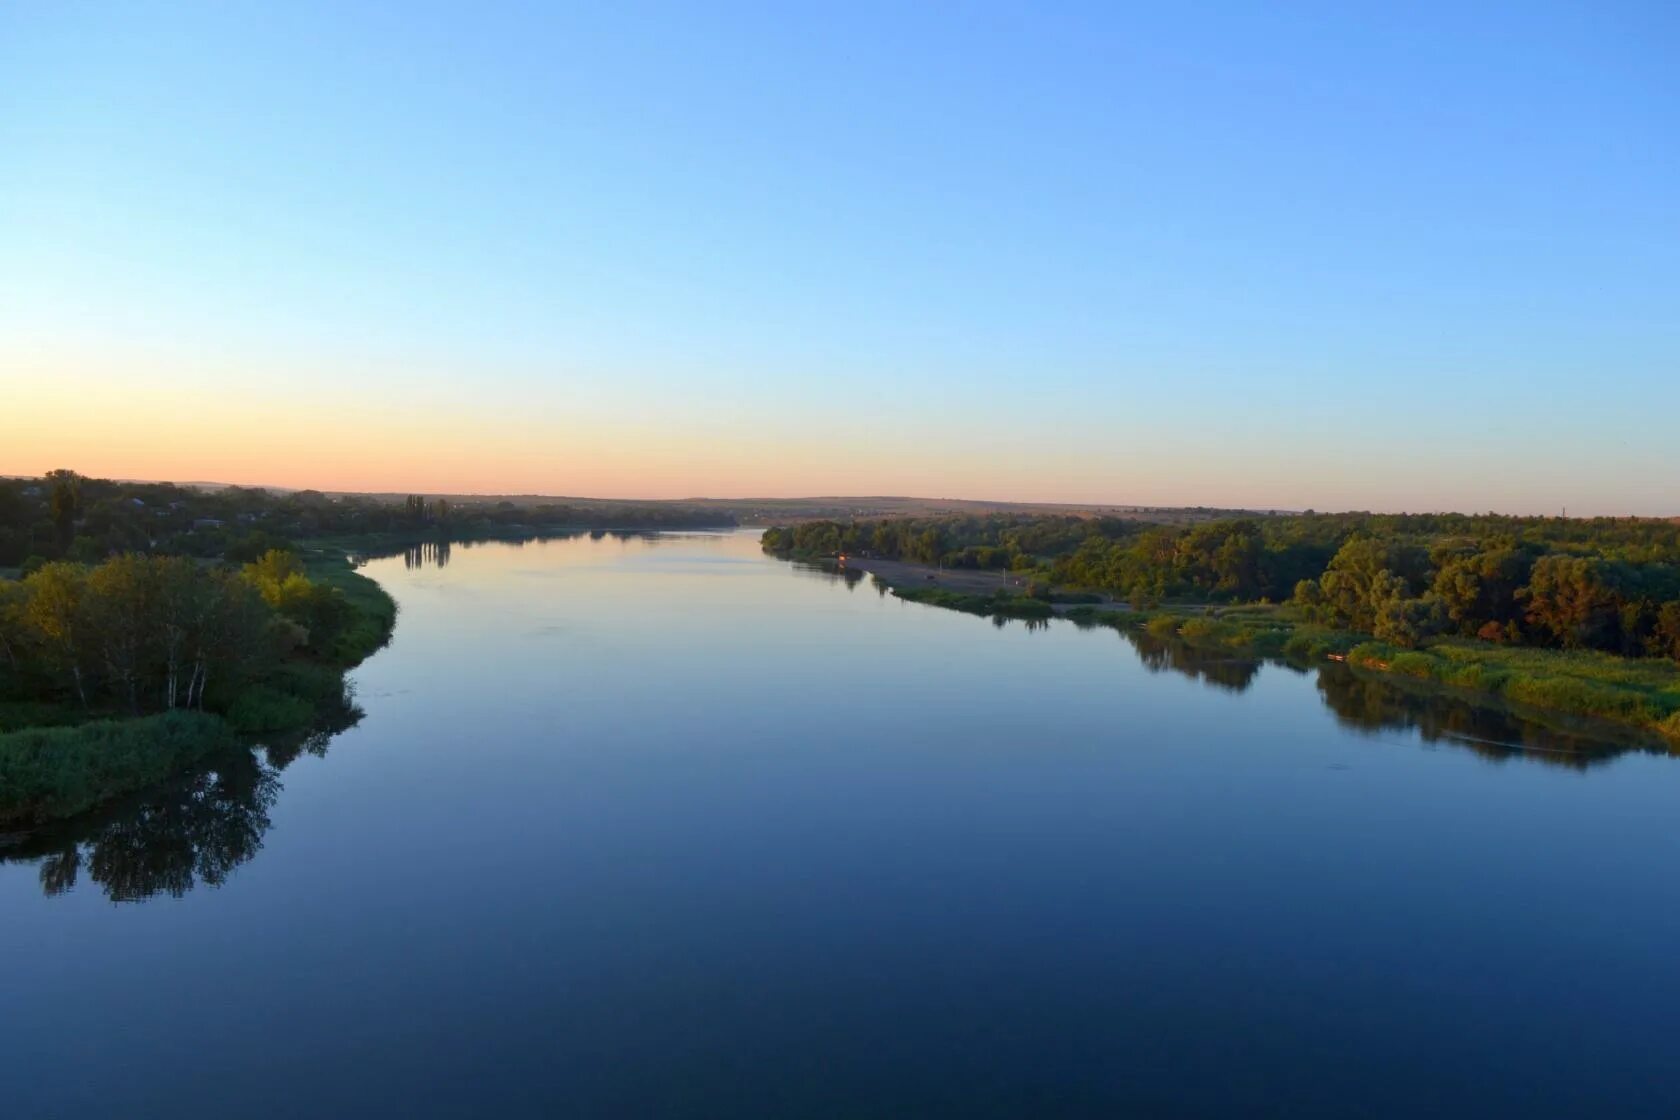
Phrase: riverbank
x=1638 y=693
x=60 y=756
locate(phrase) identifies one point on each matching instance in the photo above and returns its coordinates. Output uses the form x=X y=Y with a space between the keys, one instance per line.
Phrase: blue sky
x=1229 y=254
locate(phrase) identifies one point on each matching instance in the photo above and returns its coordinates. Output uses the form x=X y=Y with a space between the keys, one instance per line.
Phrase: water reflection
x=427 y=554
x=831 y=572
x=190 y=832
x=1370 y=704
x=1218 y=668
x=436 y=554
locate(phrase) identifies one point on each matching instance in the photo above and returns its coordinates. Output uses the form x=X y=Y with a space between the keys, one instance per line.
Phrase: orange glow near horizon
x=349 y=429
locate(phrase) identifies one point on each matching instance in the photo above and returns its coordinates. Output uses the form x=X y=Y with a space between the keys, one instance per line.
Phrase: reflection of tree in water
x=1371 y=704
x=428 y=553
x=836 y=573
x=198 y=831
x=195 y=830
x=1219 y=668
x=1368 y=703
x=436 y=554
x=1033 y=625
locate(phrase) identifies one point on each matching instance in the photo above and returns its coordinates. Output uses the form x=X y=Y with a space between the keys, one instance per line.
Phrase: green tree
x=65 y=503
x=1569 y=602
x=1665 y=635
x=14 y=627
x=54 y=612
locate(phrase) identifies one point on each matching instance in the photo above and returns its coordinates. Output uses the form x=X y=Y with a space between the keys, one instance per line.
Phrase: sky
x=1338 y=256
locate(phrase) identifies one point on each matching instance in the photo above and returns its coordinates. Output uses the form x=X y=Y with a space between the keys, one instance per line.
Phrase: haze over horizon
x=1232 y=257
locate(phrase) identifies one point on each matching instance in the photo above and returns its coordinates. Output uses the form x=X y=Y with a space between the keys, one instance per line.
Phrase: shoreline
x=1621 y=694
x=909 y=575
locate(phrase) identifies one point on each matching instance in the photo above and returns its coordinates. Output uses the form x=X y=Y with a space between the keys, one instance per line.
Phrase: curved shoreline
x=1617 y=693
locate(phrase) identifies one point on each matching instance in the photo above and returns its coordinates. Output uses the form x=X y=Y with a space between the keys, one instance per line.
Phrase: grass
x=51 y=772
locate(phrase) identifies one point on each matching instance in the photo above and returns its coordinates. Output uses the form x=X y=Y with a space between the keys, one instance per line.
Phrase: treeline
x=1609 y=584
x=1227 y=560
x=64 y=516
x=1504 y=589
x=990 y=542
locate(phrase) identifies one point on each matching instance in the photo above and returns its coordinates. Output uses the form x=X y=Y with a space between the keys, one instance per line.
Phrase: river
x=660 y=826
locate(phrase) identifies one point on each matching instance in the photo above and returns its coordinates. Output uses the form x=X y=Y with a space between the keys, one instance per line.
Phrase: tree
x=1364 y=575
x=1236 y=566
x=269 y=573
x=120 y=612
x=1478 y=586
x=54 y=612
x=65 y=504
x=1402 y=619
x=14 y=633
x=1568 y=601
x=1665 y=635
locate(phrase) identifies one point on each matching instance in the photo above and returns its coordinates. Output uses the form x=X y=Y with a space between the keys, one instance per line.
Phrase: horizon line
x=1094 y=507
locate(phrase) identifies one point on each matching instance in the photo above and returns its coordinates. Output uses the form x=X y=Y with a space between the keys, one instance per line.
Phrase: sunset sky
x=1237 y=255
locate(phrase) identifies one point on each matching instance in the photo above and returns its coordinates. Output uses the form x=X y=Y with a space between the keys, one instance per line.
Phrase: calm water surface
x=661 y=827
